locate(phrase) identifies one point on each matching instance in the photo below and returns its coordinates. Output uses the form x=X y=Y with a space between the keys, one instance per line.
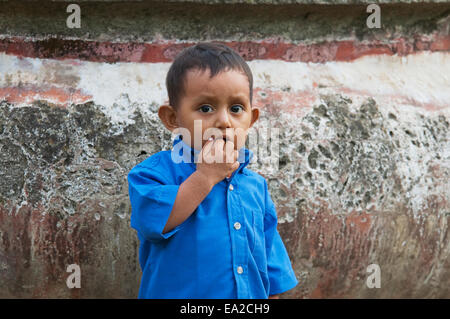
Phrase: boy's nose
x=223 y=119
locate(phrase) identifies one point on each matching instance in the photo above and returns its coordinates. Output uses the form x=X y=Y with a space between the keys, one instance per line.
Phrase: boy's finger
x=218 y=147
x=207 y=151
x=229 y=152
x=208 y=145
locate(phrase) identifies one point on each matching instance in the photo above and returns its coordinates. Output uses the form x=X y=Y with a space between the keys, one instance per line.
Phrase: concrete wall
x=362 y=175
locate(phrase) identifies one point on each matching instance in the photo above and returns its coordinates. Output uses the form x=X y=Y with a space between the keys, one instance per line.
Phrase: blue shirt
x=229 y=247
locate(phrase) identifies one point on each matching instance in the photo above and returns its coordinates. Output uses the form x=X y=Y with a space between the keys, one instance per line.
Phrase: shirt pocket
x=258 y=247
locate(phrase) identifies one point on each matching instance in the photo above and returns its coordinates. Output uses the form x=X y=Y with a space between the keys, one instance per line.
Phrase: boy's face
x=222 y=102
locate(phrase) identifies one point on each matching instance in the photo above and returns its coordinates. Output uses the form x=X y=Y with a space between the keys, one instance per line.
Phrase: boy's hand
x=214 y=156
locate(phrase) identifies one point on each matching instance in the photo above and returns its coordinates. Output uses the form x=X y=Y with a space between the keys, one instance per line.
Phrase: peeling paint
x=362 y=173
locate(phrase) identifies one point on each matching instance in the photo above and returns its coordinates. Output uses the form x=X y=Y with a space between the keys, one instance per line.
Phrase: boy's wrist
x=204 y=179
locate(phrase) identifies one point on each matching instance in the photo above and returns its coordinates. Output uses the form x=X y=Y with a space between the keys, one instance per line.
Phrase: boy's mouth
x=227 y=139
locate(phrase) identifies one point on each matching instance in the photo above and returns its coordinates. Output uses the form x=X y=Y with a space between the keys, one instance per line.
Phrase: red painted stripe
x=109 y=52
x=272 y=101
x=57 y=95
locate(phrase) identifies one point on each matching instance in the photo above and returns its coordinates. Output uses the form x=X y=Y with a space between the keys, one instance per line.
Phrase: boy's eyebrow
x=213 y=97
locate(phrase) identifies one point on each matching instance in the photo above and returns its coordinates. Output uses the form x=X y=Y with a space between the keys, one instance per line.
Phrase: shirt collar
x=189 y=154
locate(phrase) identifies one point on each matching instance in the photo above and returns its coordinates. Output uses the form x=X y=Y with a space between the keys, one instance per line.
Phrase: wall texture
x=362 y=114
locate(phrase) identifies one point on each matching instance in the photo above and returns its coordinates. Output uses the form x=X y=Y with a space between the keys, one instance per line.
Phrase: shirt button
x=240 y=270
x=231 y=187
x=237 y=225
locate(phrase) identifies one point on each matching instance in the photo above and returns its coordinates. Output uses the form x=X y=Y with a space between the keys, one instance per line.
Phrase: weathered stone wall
x=362 y=114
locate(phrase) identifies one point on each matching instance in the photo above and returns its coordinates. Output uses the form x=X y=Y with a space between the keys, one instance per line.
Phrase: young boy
x=206 y=223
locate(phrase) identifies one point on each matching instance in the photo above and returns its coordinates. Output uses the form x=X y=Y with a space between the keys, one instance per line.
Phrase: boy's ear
x=168 y=116
x=255 y=115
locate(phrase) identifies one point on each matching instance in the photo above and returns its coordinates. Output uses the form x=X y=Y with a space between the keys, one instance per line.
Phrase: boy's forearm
x=190 y=194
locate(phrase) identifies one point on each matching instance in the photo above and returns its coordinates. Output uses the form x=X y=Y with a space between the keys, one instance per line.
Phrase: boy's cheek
x=240 y=140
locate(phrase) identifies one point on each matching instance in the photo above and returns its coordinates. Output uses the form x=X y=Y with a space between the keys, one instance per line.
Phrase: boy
x=206 y=223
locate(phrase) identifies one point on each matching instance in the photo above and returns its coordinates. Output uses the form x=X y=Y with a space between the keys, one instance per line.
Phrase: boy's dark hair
x=216 y=57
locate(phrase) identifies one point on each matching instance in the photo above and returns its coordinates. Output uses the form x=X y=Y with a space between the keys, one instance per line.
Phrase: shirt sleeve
x=152 y=201
x=281 y=275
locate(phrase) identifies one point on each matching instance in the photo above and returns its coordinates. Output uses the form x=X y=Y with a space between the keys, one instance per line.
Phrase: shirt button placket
x=239 y=250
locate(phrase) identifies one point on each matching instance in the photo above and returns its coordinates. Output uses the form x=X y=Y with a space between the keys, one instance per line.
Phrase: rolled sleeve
x=281 y=275
x=152 y=200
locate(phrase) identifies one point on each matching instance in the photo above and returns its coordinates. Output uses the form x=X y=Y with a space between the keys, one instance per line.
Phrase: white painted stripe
x=422 y=78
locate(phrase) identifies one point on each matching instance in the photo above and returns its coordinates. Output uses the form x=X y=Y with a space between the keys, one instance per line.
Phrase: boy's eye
x=204 y=108
x=236 y=108
x=207 y=108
